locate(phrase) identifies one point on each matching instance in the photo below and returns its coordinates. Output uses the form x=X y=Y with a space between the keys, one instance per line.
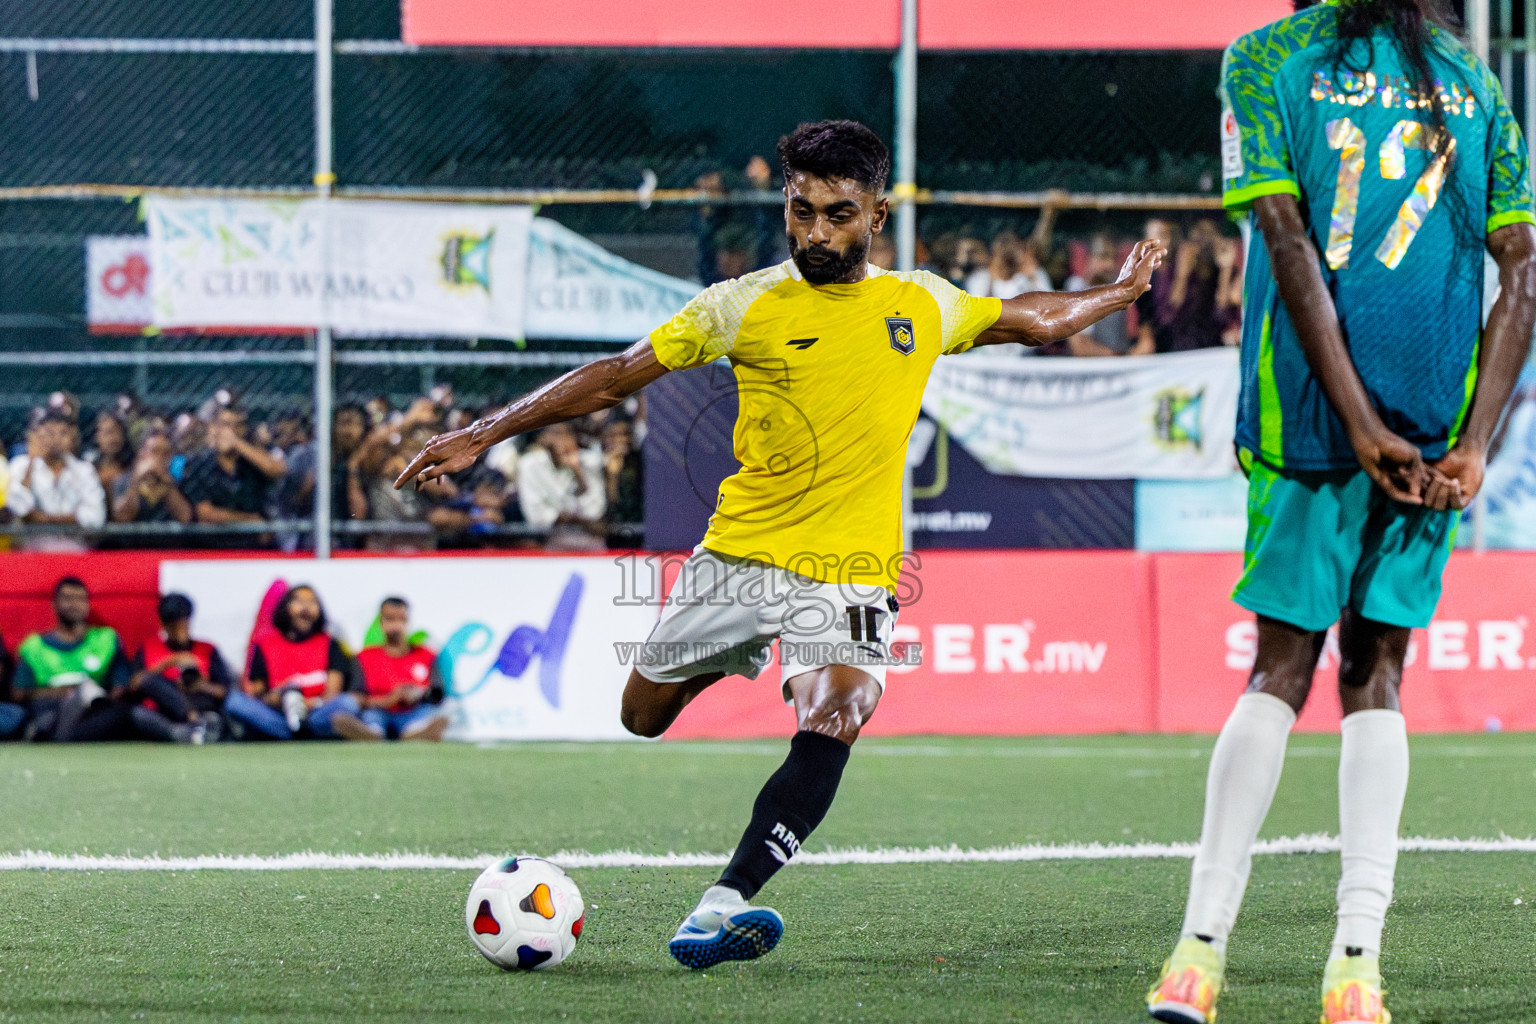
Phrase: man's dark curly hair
x=836 y=149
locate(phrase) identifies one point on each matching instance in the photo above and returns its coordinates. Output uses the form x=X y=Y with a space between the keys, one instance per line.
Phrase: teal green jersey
x=1399 y=223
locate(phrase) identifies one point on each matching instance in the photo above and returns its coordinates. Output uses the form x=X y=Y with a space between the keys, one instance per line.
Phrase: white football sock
x=1245 y=769
x=1373 y=779
x=717 y=897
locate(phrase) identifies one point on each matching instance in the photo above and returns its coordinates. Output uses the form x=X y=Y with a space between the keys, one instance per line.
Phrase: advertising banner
x=1474 y=668
x=958 y=503
x=1192 y=515
x=1168 y=417
x=1013 y=643
x=526 y=644
x=862 y=24
x=364 y=267
x=579 y=290
x=1507 y=501
x=117 y=284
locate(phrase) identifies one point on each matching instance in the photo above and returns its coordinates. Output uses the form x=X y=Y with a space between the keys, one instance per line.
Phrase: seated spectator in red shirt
x=400 y=682
x=296 y=676
x=187 y=679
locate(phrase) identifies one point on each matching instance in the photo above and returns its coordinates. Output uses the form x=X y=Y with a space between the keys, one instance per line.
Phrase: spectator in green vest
x=75 y=679
x=65 y=675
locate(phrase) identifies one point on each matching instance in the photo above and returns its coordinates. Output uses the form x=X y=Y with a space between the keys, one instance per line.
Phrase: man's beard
x=835 y=268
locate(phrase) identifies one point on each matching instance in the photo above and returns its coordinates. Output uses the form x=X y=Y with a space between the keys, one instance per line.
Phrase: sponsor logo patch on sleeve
x=1231 y=146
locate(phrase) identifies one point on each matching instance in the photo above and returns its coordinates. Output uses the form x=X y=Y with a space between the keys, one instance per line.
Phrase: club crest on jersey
x=903 y=338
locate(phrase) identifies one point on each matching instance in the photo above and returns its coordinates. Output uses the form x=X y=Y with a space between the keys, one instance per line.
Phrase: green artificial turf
x=1051 y=941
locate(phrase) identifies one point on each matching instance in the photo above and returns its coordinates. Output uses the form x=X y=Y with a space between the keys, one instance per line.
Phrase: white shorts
x=724 y=613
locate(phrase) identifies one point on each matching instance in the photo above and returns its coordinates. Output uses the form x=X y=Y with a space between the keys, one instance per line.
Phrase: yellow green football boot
x=1191 y=980
x=1352 y=991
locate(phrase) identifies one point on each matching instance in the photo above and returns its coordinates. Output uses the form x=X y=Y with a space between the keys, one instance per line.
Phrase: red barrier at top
x=1031 y=642
x=849 y=24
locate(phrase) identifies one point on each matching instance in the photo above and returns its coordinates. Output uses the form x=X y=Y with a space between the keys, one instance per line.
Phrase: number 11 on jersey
x=1349 y=140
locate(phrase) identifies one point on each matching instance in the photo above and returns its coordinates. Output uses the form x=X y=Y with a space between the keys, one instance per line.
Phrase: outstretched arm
x=1455 y=479
x=598 y=385
x=1393 y=463
x=1037 y=318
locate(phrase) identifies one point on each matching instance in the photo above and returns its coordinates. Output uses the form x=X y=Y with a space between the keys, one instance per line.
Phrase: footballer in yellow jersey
x=831 y=356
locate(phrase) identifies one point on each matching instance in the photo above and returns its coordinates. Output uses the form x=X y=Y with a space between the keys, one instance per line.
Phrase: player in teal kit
x=1378 y=160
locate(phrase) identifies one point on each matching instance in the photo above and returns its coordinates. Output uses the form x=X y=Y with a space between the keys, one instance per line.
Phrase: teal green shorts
x=1321 y=541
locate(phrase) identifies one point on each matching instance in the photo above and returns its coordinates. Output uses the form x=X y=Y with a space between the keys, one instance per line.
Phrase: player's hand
x=447 y=453
x=1395 y=465
x=1455 y=478
x=1146 y=257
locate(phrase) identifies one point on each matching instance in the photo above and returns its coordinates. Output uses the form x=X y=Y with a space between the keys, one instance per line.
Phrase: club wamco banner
x=367 y=267
x=371 y=269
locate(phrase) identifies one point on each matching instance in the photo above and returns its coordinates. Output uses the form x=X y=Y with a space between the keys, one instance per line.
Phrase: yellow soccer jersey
x=829 y=379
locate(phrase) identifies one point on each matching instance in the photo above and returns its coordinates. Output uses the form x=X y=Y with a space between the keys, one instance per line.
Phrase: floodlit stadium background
x=1071 y=557
x=1071 y=581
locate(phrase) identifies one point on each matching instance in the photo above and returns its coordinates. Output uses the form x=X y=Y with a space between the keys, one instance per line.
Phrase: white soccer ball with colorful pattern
x=524 y=914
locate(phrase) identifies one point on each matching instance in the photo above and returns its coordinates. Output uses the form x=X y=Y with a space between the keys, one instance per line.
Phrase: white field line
x=1298 y=748
x=32 y=860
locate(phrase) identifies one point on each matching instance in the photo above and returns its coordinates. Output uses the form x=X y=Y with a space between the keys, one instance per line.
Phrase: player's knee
x=841 y=711
x=1293 y=689
x=642 y=721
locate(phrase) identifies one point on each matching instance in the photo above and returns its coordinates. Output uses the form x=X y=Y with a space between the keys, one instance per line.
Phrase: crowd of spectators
x=252 y=483
x=76 y=682
x=1195 y=300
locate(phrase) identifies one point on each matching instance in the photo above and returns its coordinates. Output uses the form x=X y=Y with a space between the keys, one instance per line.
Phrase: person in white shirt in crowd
x=503 y=457
x=561 y=487
x=49 y=485
x=1015 y=268
x=1015 y=265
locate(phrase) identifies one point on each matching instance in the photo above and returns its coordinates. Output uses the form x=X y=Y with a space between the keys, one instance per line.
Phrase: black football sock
x=791 y=804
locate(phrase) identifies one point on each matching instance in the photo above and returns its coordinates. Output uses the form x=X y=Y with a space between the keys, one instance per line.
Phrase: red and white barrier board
x=1473 y=668
x=1024 y=643
x=1014 y=642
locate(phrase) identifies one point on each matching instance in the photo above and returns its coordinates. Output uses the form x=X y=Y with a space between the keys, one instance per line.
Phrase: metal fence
x=648 y=152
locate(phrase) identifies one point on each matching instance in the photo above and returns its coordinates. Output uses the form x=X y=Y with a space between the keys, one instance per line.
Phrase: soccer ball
x=524 y=914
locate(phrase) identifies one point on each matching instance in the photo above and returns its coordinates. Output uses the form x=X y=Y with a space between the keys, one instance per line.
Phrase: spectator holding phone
x=49 y=485
x=148 y=493
x=561 y=488
x=186 y=678
x=400 y=682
